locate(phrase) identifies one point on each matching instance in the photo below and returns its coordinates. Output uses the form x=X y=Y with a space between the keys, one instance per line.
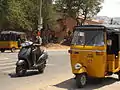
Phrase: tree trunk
x=85 y=12
x=45 y=35
x=83 y=20
x=78 y=22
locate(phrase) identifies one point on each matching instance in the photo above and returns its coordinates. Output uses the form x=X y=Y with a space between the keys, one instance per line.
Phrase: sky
x=111 y=8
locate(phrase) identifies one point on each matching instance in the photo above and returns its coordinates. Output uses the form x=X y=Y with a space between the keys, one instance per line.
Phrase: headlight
x=23 y=44
x=78 y=66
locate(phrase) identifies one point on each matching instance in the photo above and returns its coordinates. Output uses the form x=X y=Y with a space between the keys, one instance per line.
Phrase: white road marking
x=12 y=61
x=4 y=58
x=50 y=64
x=7 y=64
x=7 y=68
x=9 y=71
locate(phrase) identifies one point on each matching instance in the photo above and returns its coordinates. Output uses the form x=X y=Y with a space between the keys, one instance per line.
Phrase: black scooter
x=26 y=58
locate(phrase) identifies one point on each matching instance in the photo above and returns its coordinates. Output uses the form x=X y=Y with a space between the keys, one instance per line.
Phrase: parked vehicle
x=11 y=40
x=95 y=52
x=31 y=57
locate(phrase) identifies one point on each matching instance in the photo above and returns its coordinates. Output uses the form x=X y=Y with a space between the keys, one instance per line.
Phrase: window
x=88 y=37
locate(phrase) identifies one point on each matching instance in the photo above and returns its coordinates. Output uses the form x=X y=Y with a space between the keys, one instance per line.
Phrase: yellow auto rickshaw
x=11 y=40
x=95 y=52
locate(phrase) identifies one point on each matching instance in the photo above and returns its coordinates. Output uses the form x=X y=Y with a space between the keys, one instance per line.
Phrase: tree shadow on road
x=71 y=85
x=28 y=73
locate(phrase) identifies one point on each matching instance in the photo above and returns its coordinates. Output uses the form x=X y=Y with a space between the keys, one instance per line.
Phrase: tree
x=49 y=18
x=75 y=8
x=19 y=14
x=48 y=14
x=24 y=14
x=3 y=12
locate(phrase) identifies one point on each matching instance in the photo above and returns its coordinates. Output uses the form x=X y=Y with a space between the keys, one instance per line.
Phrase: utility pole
x=40 y=21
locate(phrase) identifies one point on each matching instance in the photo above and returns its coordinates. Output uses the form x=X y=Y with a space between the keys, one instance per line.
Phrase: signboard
x=81 y=33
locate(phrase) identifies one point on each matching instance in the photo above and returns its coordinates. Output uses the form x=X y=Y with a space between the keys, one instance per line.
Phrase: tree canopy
x=24 y=14
x=16 y=14
x=48 y=14
x=75 y=8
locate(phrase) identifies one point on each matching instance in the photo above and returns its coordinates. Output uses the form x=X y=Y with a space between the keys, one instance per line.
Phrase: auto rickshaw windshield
x=8 y=37
x=4 y=37
x=88 y=37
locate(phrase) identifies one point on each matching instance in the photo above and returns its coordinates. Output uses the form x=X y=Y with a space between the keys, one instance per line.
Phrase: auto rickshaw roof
x=9 y=32
x=108 y=28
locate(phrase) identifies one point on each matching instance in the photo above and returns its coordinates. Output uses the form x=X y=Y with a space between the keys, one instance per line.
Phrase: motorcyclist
x=38 y=40
x=37 y=51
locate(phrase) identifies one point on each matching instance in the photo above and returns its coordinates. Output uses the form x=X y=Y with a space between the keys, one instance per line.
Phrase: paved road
x=58 y=65
x=57 y=75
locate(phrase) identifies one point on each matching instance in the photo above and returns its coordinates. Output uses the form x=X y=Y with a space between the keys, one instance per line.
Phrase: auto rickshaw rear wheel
x=119 y=75
x=81 y=80
x=2 y=50
x=13 y=49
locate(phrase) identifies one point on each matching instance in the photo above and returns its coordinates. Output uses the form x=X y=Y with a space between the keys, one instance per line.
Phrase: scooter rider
x=37 y=51
x=31 y=56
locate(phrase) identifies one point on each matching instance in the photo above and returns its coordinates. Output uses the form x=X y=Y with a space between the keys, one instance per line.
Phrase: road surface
x=57 y=75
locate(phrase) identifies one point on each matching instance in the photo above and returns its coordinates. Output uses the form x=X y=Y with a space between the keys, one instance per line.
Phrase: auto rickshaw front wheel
x=81 y=80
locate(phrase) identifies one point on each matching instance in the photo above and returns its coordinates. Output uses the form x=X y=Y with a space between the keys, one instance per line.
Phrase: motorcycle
x=26 y=57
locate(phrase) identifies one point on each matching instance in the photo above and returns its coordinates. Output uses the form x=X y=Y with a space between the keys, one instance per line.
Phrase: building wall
x=69 y=23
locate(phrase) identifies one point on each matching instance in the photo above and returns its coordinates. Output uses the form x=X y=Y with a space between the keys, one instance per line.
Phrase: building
x=65 y=25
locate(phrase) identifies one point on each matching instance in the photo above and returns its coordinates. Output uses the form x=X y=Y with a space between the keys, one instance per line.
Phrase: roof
x=14 y=32
x=109 y=28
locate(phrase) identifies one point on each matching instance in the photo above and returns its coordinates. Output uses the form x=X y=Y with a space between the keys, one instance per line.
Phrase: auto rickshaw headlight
x=78 y=66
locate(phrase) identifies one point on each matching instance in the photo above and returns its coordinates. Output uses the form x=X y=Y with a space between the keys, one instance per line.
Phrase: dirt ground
x=56 y=47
